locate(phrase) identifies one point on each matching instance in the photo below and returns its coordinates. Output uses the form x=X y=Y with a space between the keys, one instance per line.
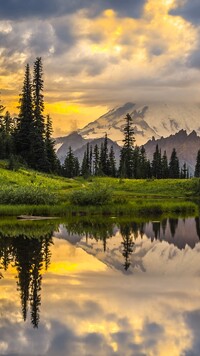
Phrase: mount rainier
x=149 y=119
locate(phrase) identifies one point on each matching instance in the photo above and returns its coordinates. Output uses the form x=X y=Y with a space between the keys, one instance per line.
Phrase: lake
x=101 y=286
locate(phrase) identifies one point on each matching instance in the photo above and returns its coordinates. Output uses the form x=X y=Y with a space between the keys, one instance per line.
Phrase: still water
x=100 y=287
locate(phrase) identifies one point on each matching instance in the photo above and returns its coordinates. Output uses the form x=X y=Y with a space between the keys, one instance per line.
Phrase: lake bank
x=33 y=193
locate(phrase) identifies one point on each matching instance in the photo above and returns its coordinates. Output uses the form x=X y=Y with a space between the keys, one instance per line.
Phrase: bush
x=26 y=195
x=14 y=163
x=96 y=194
x=196 y=187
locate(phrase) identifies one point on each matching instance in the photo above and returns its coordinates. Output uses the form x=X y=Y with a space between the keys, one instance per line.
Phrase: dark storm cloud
x=189 y=11
x=19 y=9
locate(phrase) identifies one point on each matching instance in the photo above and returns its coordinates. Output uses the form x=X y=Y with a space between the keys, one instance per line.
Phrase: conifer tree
x=2 y=108
x=39 y=159
x=136 y=162
x=6 y=139
x=85 y=168
x=112 y=163
x=104 y=161
x=165 y=168
x=197 y=166
x=142 y=163
x=126 y=155
x=69 y=165
x=91 y=160
x=148 y=169
x=23 y=134
x=157 y=164
x=174 y=165
x=52 y=163
x=76 y=167
x=96 y=160
x=184 y=171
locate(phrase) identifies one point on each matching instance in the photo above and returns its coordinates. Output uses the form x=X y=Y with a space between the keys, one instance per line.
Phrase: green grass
x=54 y=195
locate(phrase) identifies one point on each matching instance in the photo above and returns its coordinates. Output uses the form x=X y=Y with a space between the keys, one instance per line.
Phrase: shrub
x=196 y=187
x=14 y=163
x=26 y=195
x=96 y=194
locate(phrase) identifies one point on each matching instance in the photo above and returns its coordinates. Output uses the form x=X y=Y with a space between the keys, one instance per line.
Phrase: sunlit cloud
x=101 y=57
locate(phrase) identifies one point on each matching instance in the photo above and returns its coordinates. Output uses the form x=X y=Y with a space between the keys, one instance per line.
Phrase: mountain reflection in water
x=83 y=304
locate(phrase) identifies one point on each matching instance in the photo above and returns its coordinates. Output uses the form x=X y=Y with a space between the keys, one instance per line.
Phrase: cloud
x=19 y=9
x=100 y=55
x=189 y=10
x=192 y=320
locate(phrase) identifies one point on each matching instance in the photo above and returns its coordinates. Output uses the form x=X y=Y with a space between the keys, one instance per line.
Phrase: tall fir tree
x=85 y=167
x=39 y=159
x=143 y=163
x=23 y=135
x=136 y=162
x=96 y=160
x=174 y=165
x=52 y=162
x=112 y=163
x=69 y=167
x=104 y=161
x=126 y=155
x=6 y=138
x=197 y=165
x=157 y=164
x=165 y=167
x=91 y=160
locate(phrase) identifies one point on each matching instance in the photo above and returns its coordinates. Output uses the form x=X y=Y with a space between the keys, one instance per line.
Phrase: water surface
x=100 y=288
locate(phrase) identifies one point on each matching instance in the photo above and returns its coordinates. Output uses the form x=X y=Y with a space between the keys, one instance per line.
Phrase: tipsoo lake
x=102 y=286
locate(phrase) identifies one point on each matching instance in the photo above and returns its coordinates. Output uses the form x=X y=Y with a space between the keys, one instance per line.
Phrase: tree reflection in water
x=29 y=256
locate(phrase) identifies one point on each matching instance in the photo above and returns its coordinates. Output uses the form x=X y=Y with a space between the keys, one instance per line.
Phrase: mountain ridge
x=149 y=119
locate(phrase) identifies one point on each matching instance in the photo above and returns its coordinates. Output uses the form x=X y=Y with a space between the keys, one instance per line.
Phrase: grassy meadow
x=30 y=192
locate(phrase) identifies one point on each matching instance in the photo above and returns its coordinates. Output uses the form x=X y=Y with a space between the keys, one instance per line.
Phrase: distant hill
x=186 y=145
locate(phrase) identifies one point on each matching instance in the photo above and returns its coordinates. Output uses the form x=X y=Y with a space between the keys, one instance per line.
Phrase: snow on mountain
x=150 y=119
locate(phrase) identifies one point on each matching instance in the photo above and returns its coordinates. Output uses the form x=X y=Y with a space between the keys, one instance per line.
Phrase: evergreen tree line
x=28 y=138
x=99 y=161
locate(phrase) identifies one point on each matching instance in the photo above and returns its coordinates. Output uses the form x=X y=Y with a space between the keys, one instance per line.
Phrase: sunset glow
x=100 y=57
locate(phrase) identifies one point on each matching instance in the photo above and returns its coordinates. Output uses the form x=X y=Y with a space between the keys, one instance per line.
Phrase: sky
x=99 y=54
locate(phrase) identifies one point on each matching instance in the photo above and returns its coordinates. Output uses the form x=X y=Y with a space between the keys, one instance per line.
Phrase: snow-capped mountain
x=149 y=119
